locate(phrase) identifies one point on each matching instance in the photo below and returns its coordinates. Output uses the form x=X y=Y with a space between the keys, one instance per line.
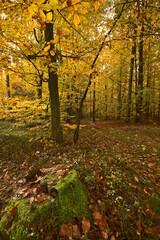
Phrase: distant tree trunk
x=147 y=108
x=106 y=106
x=140 y=75
x=130 y=82
x=53 y=89
x=39 y=90
x=90 y=104
x=94 y=103
x=153 y=99
x=119 y=93
x=69 y=107
x=8 y=86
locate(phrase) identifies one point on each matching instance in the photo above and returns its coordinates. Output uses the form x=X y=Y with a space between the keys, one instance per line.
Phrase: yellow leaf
x=52 y=52
x=33 y=9
x=31 y=26
x=49 y=16
x=102 y=1
x=63 y=5
x=86 y=4
x=46 y=48
x=81 y=10
x=42 y=15
x=96 y=5
x=54 y=4
x=39 y=1
x=83 y=19
x=76 y=20
x=46 y=7
x=56 y=40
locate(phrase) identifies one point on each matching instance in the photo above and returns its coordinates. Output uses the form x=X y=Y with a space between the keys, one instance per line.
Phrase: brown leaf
x=59 y=32
x=97 y=217
x=41 y=197
x=76 y=232
x=65 y=230
x=69 y=3
x=86 y=224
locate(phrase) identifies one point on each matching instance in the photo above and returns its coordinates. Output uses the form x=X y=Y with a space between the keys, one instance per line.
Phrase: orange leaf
x=40 y=198
x=86 y=224
x=31 y=26
x=70 y=10
x=27 y=194
x=96 y=5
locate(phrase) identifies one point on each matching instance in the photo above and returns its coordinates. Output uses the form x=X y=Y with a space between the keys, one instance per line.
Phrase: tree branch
x=76 y=134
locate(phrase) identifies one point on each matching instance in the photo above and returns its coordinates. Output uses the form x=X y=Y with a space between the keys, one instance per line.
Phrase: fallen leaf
x=27 y=194
x=31 y=200
x=76 y=232
x=65 y=230
x=41 y=197
x=86 y=224
x=136 y=178
x=97 y=217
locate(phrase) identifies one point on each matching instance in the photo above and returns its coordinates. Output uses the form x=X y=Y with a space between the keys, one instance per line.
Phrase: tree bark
x=94 y=104
x=147 y=108
x=53 y=89
x=140 y=73
x=39 y=90
x=8 y=86
x=130 y=82
x=119 y=93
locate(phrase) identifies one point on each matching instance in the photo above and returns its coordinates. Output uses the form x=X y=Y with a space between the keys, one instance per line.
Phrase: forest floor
x=119 y=163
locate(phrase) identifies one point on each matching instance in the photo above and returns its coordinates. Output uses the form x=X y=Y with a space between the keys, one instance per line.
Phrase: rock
x=70 y=201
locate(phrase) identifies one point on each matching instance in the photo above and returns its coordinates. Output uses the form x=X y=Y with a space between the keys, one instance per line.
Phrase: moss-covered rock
x=72 y=199
x=25 y=221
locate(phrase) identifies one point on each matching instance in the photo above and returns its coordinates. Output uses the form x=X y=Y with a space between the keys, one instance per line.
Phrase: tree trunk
x=119 y=93
x=130 y=83
x=94 y=104
x=8 y=86
x=53 y=89
x=147 y=108
x=106 y=99
x=39 y=90
x=140 y=73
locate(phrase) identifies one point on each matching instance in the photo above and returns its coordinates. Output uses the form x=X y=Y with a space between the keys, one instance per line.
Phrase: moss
x=70 y=202
x=154 y=202
x=72 y=199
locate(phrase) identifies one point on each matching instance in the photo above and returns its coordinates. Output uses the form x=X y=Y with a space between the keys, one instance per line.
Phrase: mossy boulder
x=25 y=221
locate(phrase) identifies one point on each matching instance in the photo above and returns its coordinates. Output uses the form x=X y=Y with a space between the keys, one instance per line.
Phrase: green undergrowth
x=23 y=220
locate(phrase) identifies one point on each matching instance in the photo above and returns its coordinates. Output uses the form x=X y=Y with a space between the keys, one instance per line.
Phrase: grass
x=118 y=163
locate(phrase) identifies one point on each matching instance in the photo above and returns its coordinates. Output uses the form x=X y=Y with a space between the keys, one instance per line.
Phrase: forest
x=79 y=119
